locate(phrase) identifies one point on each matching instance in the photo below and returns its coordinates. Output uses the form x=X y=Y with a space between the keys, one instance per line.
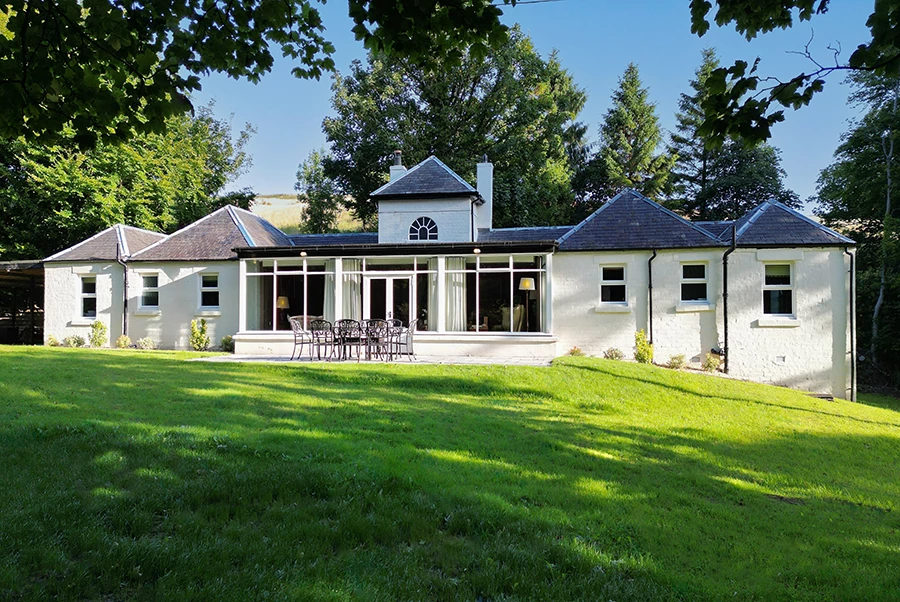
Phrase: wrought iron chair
x=348 y=333
x=301 y=337
x=377 y=333
x=402 y=341
x=322 y=336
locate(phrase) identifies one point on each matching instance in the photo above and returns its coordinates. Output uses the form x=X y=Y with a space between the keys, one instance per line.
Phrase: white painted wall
x=452 y=216
x=179 y=302
x=62 y=299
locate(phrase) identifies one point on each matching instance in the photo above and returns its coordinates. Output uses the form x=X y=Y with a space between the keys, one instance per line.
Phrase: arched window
x=423 y=228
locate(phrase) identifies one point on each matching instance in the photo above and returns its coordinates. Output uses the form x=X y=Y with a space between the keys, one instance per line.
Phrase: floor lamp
x=283 y=304
x=527 y=285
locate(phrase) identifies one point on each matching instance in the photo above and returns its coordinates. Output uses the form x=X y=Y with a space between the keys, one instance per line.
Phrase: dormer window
x=423 y=228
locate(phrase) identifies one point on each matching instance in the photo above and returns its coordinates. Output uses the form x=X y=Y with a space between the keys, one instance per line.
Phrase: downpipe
x=852 y=324
x=730 y=250
x=650 y=295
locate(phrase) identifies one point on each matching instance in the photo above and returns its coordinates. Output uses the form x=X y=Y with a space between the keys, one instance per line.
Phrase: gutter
x=395 y=249
x=852 y=324
x=730 y=250
x=650 y=294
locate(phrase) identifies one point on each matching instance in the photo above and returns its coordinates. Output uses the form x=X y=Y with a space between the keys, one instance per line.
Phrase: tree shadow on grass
x=337 y=484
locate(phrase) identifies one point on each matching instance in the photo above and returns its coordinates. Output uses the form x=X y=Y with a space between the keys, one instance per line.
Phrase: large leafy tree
x=54 y=196
x=514 y=106
x=322 y=202
x=629 y=153
x=856 y=195
x=720 y=182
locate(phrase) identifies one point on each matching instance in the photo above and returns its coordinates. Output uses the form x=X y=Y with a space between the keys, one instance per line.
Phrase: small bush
x=123 y=342
x=146 y=343
x=614 y=354
x=51 y=341
x=73 y=341
x=227 y=344
x=643 y=350
x=576 y=352
x=199 y=338
x=98 y=333
x=676 y=362
x=712 y=362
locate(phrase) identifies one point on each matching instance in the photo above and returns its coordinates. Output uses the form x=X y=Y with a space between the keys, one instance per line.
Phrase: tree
x=629 y=139
x=854 y=194
x=323 y=204
x=107 y=69
x=513 y=106
x=724 y=182
x=54 y=196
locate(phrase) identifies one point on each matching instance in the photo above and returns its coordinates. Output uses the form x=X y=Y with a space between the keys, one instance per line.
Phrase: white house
x=772 y=292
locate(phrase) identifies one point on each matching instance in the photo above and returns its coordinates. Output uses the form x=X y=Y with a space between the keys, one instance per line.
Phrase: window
x=693 y=283
x=88 y=296
x=423 y=228
x=209 y=290
x=150 y=291
x=778 y=291
x=612 y=284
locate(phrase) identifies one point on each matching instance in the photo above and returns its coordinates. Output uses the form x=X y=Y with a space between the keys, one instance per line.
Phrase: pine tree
x=630 y=136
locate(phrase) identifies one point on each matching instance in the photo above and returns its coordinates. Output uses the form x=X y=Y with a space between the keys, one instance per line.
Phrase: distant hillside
x=283 y=211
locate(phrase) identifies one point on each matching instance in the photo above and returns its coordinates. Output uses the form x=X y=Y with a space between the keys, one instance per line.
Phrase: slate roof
x=717 y=229
x=107 y=245
x=632 y=221
x=325 y=240
x=773 y=224
x=430 y=178
x=214 y=238
x=539 y=234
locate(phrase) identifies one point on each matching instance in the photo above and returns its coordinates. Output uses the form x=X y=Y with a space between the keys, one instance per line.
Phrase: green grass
x=139 y=476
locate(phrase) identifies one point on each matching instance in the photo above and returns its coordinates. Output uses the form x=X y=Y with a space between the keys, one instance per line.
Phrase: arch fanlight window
x=423 y=228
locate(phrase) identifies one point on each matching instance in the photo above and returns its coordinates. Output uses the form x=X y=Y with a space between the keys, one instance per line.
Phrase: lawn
x=140 y=476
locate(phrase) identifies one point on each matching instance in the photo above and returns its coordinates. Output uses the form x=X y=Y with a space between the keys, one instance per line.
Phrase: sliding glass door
x=387 y=297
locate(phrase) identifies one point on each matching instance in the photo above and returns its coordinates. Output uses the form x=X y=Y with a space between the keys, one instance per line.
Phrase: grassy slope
x=133 y=475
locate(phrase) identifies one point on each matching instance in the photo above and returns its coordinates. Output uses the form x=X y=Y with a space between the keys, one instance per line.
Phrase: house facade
x=771 y=292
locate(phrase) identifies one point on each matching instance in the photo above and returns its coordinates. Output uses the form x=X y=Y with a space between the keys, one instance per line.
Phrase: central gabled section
x=428 y=203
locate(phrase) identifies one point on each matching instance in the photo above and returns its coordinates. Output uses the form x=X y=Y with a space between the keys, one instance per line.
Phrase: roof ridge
x=812 y=222
x=185 y=229
x=76 y=245
x=590 y=218
x=120 y=235
x=671 y=213
x=751 y=216
x=261 y=220
x=240 y=225
x=414 y=168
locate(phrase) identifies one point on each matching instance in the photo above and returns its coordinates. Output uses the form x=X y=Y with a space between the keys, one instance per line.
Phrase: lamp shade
x=282 y=303
x=526 y=284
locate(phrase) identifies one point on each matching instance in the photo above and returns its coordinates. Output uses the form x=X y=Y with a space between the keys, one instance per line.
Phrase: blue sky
x=595 y=40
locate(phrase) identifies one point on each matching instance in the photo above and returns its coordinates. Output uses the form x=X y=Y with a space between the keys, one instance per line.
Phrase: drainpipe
x=852 y=325
x=725 y=292
x=124 y=288
x=650 y=295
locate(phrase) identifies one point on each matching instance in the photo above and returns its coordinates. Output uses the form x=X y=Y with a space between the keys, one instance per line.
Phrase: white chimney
x=397 y=168
x=485 y=187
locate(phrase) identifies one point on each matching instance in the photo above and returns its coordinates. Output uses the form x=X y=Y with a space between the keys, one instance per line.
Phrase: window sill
x=688 y=306
x=82 y=322
x=207 y=313
x=146 y=311
x=779 y=322
x=612 y=308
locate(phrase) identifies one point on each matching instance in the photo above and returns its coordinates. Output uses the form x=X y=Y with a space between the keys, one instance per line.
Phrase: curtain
x=328 y=307
x=352 y=293
x=432 y=296
x=456 y=295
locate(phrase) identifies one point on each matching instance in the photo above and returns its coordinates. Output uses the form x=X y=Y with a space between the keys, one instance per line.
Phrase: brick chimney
x=397 y=168
x=485 y=186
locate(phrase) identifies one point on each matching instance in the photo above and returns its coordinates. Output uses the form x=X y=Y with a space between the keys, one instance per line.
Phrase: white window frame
x=780 y=287
x=150 y=289
x=424 y=222
x=704 y=281
x=209 y=289
x=85 y=295
x=605 y=282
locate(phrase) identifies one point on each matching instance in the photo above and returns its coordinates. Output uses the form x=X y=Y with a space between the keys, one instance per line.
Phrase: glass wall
x=277 y=289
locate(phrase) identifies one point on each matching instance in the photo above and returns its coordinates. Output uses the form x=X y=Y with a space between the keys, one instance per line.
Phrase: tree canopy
x=319 y=193
x=512 y=105
x=54 y=196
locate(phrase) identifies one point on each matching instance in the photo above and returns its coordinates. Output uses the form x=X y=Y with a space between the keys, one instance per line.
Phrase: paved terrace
x=430 y=359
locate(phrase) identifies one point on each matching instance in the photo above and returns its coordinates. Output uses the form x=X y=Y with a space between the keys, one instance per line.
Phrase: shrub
x=146 y=343
x=676 y=362
x=73 y=340
x=643 y=350
x=576 y=352
x=614 y=354
x=51 y=341
x=123 y=342
x=712 y=362
x=98 y=333
x=227 y=343
x=199 y=338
